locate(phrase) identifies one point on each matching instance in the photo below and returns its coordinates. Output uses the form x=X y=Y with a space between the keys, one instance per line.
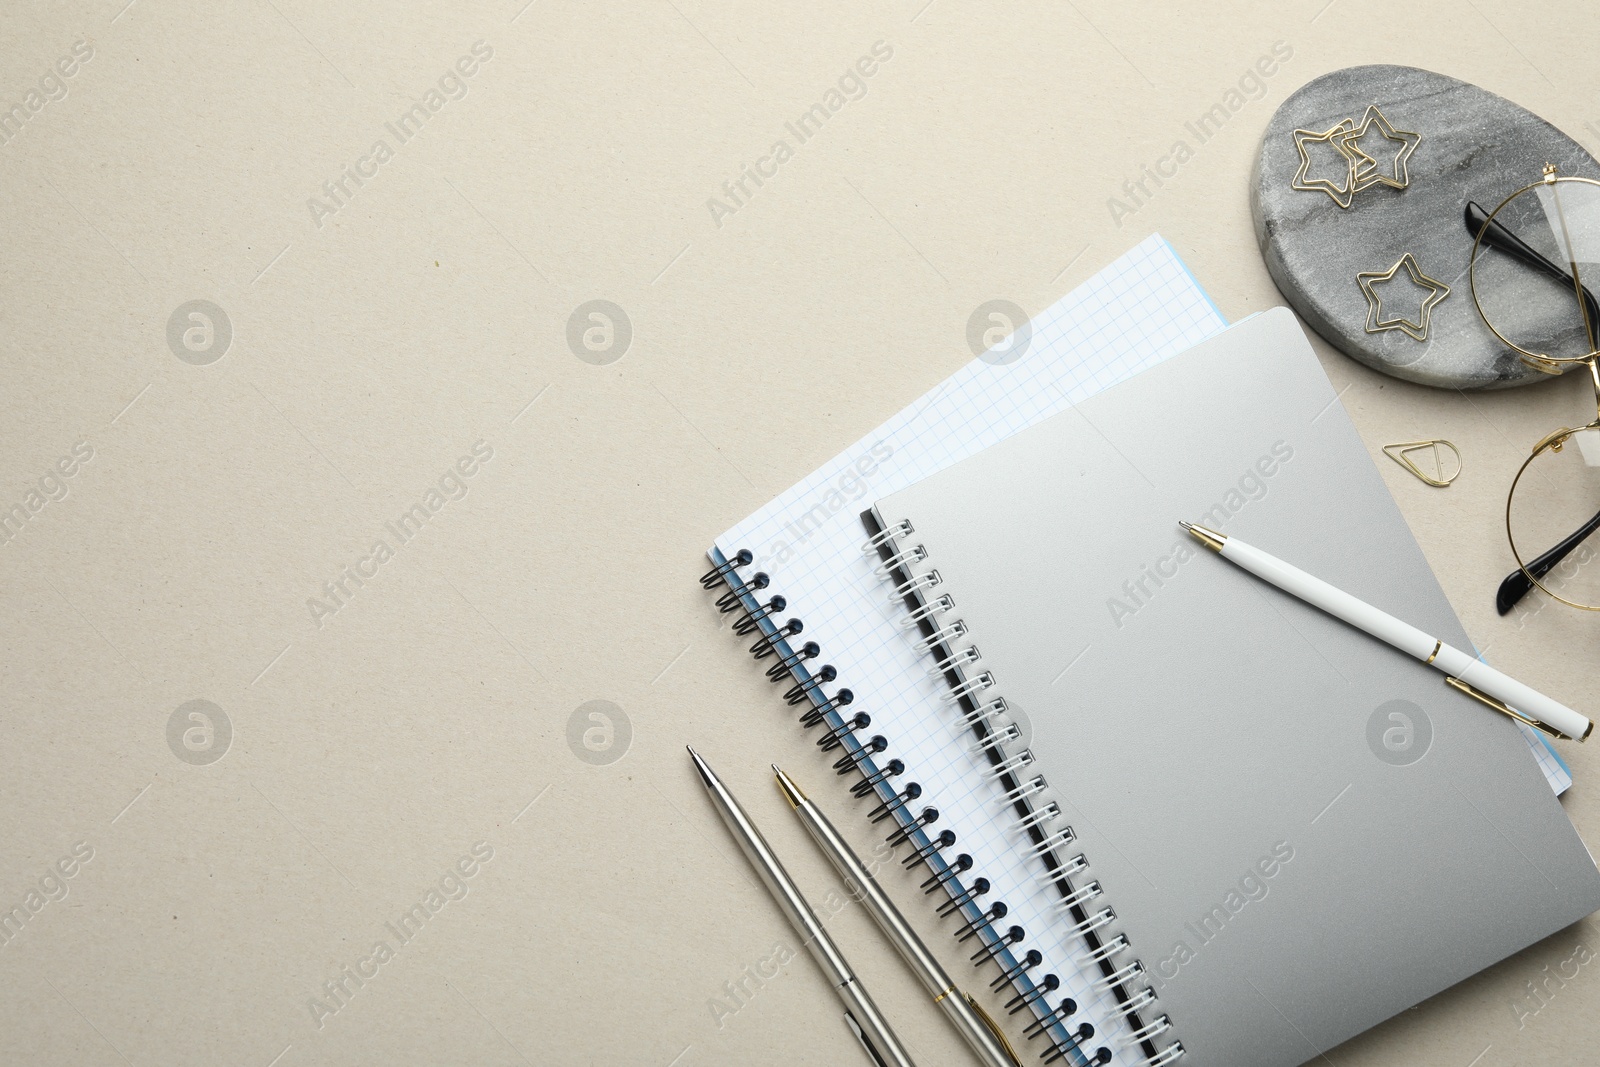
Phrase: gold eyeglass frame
x=1543 y=362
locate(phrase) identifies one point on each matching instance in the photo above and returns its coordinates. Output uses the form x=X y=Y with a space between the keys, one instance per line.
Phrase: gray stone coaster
x=1475 y=146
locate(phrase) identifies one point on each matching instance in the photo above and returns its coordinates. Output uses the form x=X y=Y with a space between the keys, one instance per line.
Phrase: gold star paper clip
x=1361 y=168
x=1417 y=330
x=1368 y=174
x=1339 y=192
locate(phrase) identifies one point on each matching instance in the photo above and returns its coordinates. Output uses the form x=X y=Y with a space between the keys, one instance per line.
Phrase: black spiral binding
x=896 y=801
x=939 y=629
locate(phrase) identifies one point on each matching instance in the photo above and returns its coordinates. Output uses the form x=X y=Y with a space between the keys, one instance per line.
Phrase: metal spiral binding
x=788 y=661
x=726 y=567
x=915 y=581
x=893 y=799
x=1028 y=962
x=836 y=735
x=978 y=887
x=729 y=601
x=1002 y=943
x=857 y=759
x=983 y=920
x=767 y=644
x=882 y=774
x=1044 y=1022
x=908 y=830
x=886 y=808
x=943 y=876
x=1035 y=996
x=753 y=616
x=821 y=709
x=945 y=839
x=800 y=691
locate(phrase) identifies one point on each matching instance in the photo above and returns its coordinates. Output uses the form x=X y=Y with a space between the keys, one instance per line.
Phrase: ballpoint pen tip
x=1210 y=538
x=702 y=767
x=786 y=786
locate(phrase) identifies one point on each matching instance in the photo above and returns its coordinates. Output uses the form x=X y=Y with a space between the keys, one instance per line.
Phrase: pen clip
x=977 y=1009
x=1502 y=707
x=866 y=1043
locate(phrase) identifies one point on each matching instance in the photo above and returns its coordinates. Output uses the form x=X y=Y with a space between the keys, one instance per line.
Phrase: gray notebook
x=1298 y=830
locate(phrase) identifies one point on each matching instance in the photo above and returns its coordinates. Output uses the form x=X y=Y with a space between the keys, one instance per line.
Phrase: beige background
x=426 y=314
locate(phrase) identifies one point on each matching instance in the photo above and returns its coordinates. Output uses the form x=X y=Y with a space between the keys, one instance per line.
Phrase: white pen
x=1465 y=672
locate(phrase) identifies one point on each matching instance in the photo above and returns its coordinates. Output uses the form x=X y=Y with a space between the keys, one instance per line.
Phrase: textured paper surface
x=430 y=312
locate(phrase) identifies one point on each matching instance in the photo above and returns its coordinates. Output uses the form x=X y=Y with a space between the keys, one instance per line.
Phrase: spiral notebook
x=1266 y=830
x=805 y=547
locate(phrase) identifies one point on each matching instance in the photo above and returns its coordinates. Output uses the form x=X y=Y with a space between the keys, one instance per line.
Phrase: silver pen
x=861 y=1014
x=963 y=1012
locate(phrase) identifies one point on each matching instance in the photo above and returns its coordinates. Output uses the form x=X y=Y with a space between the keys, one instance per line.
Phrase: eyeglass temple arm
x=1517 y=584
x=1498 y=237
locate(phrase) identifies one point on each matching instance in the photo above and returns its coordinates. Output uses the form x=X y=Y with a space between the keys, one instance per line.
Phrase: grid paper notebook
x=1135 y=313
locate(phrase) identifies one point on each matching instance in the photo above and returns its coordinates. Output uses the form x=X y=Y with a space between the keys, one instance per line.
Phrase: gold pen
x=963 y=1012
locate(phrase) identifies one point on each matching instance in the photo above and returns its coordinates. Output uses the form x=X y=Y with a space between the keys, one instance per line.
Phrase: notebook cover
x=1292 y=863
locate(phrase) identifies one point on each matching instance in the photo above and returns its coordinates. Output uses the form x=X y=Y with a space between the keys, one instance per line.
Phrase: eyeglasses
x=1533 y=258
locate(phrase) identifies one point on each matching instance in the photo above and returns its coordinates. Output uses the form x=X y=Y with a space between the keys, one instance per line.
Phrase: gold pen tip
x=786 y=786
x=1210 y=538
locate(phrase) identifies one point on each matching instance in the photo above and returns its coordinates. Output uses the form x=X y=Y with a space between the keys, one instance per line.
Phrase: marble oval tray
x=1474 y=145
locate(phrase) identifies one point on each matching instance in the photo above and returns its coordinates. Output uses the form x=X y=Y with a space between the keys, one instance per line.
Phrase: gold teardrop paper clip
x=1401 y=454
